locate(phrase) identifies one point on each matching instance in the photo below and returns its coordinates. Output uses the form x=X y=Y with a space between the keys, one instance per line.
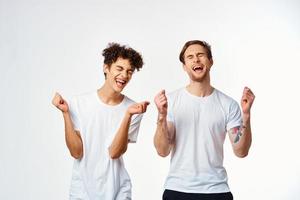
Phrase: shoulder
x=176 y=93
x=84 y=96
x=225 y=99
x=128 y=101
x=83 y=100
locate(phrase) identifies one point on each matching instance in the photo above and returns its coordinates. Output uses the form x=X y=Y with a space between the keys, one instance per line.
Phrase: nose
x=124 y=74
x=196 y=59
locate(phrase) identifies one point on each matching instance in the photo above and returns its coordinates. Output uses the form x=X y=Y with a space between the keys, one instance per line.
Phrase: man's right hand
x=161 y=103
x=60 y=103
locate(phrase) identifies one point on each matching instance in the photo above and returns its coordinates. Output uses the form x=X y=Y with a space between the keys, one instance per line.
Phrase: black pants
x=174 y=195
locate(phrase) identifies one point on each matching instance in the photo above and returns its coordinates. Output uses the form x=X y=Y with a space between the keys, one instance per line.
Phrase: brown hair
x=114 y=50
x=189 y=43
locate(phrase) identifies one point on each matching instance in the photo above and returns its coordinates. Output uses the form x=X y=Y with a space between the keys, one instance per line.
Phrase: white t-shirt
x=200 y=124
x=96 y=175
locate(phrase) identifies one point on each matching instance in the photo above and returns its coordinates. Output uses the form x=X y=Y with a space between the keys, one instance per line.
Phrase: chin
x=117 y=89
x=198 y=79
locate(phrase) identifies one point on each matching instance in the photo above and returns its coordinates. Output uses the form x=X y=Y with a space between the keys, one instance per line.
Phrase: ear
x=184 y=67
x=211 y=62
x=105 y=68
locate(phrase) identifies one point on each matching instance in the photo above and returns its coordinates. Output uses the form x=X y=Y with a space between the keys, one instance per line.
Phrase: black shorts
x=174 y=195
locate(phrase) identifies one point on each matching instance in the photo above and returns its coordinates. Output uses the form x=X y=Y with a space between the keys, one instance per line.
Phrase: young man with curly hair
x=98 y=127
x=192 y=125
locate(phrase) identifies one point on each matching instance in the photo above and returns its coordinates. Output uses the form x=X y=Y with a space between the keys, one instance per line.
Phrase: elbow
x=115 y=154
x=162 y=154
x=161 y=151
x=241 y=154
x=76 y=154
x=76 y=150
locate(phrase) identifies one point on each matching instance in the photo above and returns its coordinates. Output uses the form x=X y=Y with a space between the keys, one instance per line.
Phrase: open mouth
x=121 y=83
x=198 y=68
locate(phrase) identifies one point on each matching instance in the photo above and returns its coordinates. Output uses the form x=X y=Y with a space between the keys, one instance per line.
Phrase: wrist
x=128 y=114
x=246 y=119
x=161 y=118
x=162 y=115
x=65 y=113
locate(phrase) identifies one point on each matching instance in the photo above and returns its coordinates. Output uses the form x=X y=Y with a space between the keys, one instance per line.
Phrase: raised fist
x=161 y=102
x=138 y=108
x=247 y=100
x=60 y=103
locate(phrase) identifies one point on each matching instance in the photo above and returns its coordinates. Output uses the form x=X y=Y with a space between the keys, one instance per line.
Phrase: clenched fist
x=60 y=103
x=247 y=100
x=138 y=108
x=161 y=103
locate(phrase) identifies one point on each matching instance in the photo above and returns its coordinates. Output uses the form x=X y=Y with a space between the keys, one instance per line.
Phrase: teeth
x=120 y=82
x=198 y=67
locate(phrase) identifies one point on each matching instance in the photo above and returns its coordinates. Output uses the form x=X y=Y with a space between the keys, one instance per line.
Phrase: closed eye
x=130 y=72
x=200 y=54
x=119 y=68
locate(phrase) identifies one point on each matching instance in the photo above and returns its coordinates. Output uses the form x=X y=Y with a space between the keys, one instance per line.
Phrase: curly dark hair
x=114 y=51
x=189 y=43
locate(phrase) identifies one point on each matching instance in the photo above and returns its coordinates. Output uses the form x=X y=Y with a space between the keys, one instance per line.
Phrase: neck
x=200 y=88
x=109 y=96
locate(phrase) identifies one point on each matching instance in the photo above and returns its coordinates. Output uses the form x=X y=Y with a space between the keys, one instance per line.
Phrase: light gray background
x=51 y=45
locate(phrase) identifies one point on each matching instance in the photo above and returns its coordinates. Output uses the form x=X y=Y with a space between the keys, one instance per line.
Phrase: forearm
x=72 y=138
x=120 y=142
x=243 y=140
x=162 y=140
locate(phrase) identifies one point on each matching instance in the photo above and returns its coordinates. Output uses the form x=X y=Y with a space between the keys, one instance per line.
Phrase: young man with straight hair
x=192 y=125
x=98 y=127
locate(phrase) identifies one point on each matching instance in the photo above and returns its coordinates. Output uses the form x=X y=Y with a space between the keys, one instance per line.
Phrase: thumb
x=60 y=106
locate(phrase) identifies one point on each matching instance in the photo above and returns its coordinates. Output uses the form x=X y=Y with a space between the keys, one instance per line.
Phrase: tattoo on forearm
x=237 y=131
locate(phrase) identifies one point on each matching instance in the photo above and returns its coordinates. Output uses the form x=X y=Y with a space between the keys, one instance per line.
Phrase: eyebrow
x=198 y=53
x=131 y=69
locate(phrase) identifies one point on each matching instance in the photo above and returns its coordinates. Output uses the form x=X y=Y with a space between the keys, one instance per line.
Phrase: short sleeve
x=234 y=116
x=134 y=128
x=73 y=108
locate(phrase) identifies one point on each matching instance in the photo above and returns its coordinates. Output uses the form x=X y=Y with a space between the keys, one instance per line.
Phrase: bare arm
x=165 y=132
x=164 y=136
x=120 y=141
x=241 y=137
x=72 y=137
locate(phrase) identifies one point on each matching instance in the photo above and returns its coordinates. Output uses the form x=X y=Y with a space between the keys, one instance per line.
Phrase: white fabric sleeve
x=73 y=108
x=134 y=128
x=234 y=116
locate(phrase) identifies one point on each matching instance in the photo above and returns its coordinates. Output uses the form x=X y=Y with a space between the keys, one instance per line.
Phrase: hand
x=161 y=103
x=138 y=108
x=247 y=100
x=60 y=103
